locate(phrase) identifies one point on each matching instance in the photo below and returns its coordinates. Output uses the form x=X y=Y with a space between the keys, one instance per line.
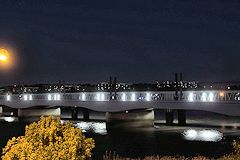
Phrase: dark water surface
x=159 y=140
x=137 y=143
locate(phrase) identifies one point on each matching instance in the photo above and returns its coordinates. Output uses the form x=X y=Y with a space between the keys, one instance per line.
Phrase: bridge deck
x=223 y=102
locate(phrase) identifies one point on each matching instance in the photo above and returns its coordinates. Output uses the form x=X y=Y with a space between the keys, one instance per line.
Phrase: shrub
x=235 y=155
x=49 y=139
x=114 y=156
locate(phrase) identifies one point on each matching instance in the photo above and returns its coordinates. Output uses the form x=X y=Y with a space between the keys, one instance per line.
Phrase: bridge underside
x=225 y=108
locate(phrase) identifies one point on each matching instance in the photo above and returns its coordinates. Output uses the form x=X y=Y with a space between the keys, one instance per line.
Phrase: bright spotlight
x=211 y=97
x=98 y=96
x=191 y=97
x=102 y=97
x=83 y=96
x=49 y=97
x=58 y=97
x=148 y=97
x=221 y=94
x=25 y=98
x=8 y=98
x=30 y=97
x=55 y=97
x=124 y=97
x=204 y=97
x=133 y=98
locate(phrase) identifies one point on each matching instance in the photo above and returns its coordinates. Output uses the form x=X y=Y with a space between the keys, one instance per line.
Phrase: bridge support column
x=9 y=112
x=169 y=117
x=74 y=113
x=85 y=114
x=181 y=117
x=1 y=111
x=130 y=119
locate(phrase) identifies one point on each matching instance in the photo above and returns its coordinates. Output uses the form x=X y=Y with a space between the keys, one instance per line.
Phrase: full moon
x=3 y=55
x=6 y=59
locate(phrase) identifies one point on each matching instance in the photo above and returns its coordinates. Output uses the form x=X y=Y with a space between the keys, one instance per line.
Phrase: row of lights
x=102 y=97
x=29 y=97
x=205 y=97
x=26 y=97
x=98 y=97
x=55 y=97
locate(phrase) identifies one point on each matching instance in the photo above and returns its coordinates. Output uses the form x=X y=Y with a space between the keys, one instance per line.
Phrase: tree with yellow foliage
x=48 y=139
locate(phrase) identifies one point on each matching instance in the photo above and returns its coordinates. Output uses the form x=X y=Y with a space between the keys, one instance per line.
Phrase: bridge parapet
x=187 y=96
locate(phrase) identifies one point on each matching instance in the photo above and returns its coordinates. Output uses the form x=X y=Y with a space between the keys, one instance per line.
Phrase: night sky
x=81 y=41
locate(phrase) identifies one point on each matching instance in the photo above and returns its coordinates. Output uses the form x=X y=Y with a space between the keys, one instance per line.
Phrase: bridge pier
x=169 y=117
x=86 y=114
x=9 y=112
x=181 y=117
x=74 y=113
x=36 y=113
x=130 y=119
x=1 y=111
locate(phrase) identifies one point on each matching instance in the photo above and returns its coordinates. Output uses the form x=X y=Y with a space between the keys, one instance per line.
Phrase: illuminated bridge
x=222 y=102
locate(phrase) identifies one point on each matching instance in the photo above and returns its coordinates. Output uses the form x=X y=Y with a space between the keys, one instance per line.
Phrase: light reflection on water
x=207 y=135
x=96 y=127
x=9 y=119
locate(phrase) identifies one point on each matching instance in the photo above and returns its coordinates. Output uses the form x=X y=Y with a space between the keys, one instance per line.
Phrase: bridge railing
x=188 y=96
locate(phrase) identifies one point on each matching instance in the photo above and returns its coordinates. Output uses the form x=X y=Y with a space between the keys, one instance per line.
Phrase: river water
x=211 y=136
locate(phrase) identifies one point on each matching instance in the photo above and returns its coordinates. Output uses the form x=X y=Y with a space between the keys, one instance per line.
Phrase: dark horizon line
x=95 y=83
